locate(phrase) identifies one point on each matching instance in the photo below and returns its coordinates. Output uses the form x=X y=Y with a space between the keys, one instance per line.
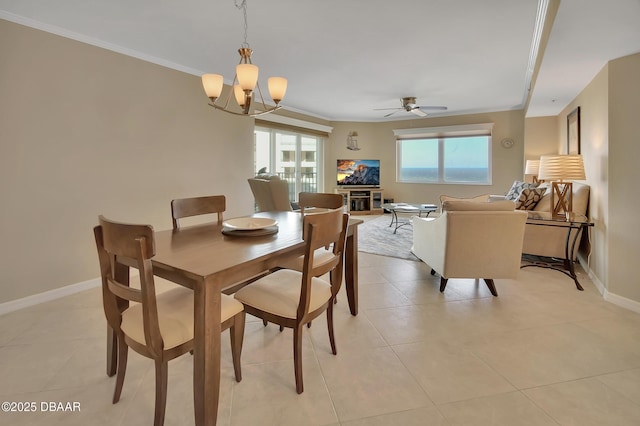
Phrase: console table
x=574 y=223
x=362 y=200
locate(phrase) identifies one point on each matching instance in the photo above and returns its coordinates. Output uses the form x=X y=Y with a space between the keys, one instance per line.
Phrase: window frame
x=442 y=134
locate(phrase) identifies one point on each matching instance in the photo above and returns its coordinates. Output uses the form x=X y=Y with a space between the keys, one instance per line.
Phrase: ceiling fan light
x=247 y=76
x=277 y=88
x=212 y=84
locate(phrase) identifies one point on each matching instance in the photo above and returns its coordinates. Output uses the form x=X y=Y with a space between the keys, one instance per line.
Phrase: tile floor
x=542 y=353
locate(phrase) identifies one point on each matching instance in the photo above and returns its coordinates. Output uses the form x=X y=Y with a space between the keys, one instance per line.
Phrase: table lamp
x=531 y=168
x=558 y=169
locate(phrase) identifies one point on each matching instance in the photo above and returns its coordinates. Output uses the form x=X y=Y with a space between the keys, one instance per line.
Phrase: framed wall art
x=573 y=132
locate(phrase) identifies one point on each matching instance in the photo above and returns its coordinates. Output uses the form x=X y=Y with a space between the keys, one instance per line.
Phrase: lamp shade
x=561 y=167
x=212 y=84
x=247 y=76
x=532 y=167
x=239 y=95
x=277 y=88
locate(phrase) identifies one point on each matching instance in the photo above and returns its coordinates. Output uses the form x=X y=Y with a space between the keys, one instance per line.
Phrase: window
x=454 y=154
x=288 y=156
x=295 y=157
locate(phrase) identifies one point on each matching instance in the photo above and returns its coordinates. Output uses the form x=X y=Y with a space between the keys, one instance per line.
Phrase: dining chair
x=318 y=200
x=187 y=207
x=157 y=326
x=293 y=298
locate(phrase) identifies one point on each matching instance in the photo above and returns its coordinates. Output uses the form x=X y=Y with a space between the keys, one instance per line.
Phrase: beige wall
x=85 y=131
x=541 y=137
x=623 y=176
x=377 y=141
x=594 y=128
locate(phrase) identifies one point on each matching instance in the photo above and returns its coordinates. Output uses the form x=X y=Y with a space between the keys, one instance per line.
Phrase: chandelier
x=245 y=82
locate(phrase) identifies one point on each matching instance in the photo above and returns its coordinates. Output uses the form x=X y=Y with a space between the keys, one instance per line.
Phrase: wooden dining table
x=204 y=259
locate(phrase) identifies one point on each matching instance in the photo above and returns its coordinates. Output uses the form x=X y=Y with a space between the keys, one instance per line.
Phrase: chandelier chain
x=243 y=6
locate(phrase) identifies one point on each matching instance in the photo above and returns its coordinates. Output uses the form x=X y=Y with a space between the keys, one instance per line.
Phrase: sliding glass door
x=294 y=157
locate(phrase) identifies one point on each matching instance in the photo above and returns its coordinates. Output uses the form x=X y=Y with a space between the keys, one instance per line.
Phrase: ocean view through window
x=455 y=155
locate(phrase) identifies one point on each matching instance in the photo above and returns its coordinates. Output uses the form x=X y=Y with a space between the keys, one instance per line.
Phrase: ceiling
x=345 y=59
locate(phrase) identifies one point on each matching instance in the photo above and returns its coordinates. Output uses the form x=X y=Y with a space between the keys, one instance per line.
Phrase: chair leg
x=443 y=283
x=297 y=357
x=123 y=351
x=492 y=286
x=332 y=339
x=237 y=336
x=162 y=373
x=264 y=321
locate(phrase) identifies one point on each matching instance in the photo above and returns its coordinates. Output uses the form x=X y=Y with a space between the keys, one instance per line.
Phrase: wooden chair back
x=320 y=200
x=187 y=207
x=322 y=230
x=118 y=242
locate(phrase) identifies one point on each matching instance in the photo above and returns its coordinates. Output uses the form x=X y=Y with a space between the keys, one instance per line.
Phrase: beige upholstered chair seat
x=175 y=317
x=279 y=293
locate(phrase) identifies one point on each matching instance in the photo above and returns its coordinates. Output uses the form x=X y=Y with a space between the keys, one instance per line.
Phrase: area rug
x=377 y=237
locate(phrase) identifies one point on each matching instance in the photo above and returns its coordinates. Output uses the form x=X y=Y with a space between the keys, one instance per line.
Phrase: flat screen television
x=358 y=173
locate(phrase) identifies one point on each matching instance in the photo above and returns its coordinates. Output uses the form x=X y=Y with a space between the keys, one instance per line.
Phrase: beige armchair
x=271 y=193
x=471 y=240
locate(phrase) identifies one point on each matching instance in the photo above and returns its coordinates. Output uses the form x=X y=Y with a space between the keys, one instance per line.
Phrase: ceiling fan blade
x=417 y=112
x=391 y=113
x=433 y=108
x=385 y=109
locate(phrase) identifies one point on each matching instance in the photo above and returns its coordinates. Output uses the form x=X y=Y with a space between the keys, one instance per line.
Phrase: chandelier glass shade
x=244 y=85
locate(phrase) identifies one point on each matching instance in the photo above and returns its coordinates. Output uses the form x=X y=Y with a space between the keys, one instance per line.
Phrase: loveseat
x=551 y=241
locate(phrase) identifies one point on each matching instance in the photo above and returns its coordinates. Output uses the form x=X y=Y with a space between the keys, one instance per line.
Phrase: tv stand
x=362 y=200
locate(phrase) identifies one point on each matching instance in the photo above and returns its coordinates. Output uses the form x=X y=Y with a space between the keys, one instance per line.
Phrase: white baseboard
x=621 y=301
x=47 y=296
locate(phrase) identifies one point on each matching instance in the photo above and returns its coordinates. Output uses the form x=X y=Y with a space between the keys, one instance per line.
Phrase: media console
x=362 y=200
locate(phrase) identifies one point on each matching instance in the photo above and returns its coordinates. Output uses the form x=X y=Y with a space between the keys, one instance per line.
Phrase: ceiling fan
x=409 y=105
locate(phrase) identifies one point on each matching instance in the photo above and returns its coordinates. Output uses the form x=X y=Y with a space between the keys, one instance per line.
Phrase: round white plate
x=249 y=223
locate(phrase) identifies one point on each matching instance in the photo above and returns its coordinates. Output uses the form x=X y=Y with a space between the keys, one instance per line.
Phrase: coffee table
x=406 y=208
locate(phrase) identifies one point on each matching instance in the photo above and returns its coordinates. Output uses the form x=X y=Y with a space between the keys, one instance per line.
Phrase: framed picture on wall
x=573 y=132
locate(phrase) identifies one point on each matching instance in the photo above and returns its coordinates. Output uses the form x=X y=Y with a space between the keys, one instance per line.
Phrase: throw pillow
x=517 y=188
x=529 y=198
